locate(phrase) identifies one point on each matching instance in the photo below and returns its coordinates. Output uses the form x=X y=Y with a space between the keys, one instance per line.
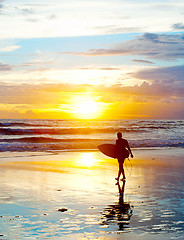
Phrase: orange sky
x=50 y=101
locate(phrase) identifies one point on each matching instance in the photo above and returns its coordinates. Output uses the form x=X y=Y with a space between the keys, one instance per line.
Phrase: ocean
x=66 y=135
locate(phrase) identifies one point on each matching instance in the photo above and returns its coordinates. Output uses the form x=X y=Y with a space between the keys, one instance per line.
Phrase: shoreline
x=166 y=156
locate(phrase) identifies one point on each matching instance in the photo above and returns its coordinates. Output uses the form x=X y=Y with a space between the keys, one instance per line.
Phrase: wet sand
x=81 y=185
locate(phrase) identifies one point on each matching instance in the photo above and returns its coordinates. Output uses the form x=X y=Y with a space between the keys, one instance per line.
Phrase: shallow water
x=44 y=135
x=35 y=187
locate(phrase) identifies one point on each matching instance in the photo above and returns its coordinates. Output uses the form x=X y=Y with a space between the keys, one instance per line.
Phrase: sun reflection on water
x=86 y=159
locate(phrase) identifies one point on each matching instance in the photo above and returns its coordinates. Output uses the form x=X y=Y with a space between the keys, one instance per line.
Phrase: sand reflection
x=33 y=188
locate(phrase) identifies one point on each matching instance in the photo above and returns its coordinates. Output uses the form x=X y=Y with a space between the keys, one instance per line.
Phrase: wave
x=75 y=131
x=45 y=135
x=47 y=144
x=64 y=131
x=14 y=124
x=46 y=140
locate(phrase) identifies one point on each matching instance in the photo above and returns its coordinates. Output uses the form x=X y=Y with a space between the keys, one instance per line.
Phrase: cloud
x=48 y=94
x=1 y=9
x=54 y=100
x=26 y=11
x=102 y=68
x=171 y=75
x=17 y=9
x=142 y=61
x=39 y=19
x=178 y=26
x=113 y=29
x=5 y=67
x=9 y=48
x=38 y=94
x=52 y=16
x=146 y=91
x=33 y=20
x=161 y=84
x=153 y=46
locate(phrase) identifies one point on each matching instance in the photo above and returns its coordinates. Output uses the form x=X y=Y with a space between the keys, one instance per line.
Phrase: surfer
x=122 y=146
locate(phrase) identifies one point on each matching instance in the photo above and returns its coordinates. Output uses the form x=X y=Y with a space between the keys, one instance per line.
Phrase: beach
x=73 y=195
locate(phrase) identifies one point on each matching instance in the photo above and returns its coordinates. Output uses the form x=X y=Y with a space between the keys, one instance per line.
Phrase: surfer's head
x=119 y=135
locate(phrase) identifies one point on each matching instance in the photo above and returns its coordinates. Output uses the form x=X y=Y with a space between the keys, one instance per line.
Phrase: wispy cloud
x=9 y=48
x=26 y=11
x=101 y=68
x=114 y=29
x=91 y=17
x=153 y=46
x=142 y=61
x=5 y=67
x=178 y=26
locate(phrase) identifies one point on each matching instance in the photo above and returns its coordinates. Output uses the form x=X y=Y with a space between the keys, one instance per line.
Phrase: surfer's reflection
x=120 y=212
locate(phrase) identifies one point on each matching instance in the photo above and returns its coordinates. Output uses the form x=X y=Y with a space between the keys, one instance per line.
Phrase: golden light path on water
x=86 y=159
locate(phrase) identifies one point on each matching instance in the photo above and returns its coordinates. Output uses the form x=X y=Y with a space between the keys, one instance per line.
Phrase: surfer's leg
x=123 y=173
x=119 y=171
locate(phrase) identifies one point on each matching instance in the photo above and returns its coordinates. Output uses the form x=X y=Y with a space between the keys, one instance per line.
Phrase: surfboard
x=110 y=150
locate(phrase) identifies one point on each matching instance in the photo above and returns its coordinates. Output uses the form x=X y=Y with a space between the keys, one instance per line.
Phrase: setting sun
x=85 y=107
x=88 y=107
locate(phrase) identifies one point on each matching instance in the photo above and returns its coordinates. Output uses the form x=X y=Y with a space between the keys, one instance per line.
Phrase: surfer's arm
x=130 y=150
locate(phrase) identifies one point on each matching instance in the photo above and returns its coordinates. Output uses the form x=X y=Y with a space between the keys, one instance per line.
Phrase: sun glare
x=85 y=107
x=86 y=160
x=89 y=107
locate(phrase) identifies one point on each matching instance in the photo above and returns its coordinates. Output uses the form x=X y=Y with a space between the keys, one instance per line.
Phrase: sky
x=115 y=59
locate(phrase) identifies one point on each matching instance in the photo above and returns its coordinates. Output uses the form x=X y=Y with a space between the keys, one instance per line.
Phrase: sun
x=85 y=107
x=88 y=107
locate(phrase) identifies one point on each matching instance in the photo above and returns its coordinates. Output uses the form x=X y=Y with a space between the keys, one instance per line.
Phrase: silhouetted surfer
x=122 y=148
